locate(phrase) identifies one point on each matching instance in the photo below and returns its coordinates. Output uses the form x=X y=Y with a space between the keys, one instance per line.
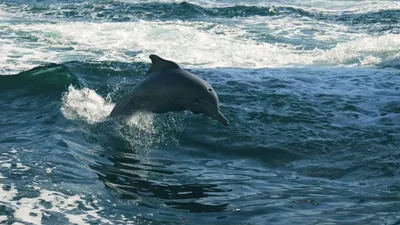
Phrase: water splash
x=147 y=130
x=85 y=104
x=141 y=130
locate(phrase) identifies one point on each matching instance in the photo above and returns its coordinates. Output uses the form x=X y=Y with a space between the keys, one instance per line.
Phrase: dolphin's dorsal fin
x=158 y=63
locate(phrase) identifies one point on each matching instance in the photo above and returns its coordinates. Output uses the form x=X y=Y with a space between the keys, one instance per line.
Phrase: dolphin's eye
x=209 y=89
x=196 y=100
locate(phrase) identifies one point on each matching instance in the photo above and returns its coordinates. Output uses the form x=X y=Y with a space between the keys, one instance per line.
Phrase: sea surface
x=311 y=90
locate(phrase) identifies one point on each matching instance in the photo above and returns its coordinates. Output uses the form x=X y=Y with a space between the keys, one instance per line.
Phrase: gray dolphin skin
x=168 y=88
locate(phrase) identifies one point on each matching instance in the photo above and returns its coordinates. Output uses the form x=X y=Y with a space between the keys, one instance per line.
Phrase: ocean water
x=311 y=89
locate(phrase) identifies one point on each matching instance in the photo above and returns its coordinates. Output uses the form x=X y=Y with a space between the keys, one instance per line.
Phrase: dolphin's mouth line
x=221 y=118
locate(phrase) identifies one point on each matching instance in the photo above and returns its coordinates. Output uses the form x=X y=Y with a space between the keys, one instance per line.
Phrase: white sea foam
x=192 y=44
x=8 y=195
x=302 y=29
x=374 y=50
x=187 y=43
x=32 y=210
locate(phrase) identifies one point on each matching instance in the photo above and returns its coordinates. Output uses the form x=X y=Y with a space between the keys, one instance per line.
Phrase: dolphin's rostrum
x=166 y=88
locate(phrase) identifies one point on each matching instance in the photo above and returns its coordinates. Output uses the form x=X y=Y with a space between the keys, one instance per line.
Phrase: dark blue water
x=312 y=92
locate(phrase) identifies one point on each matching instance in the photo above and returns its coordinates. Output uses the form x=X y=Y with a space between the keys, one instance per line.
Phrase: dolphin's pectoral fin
x=158 y=63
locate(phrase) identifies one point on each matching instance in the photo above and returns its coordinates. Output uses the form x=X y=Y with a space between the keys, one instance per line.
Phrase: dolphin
x=168 y=88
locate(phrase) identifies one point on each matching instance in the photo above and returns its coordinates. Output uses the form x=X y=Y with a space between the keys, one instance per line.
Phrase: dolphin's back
x=158 y=92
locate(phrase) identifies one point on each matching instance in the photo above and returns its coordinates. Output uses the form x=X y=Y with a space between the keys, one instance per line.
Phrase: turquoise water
x=311 y=89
